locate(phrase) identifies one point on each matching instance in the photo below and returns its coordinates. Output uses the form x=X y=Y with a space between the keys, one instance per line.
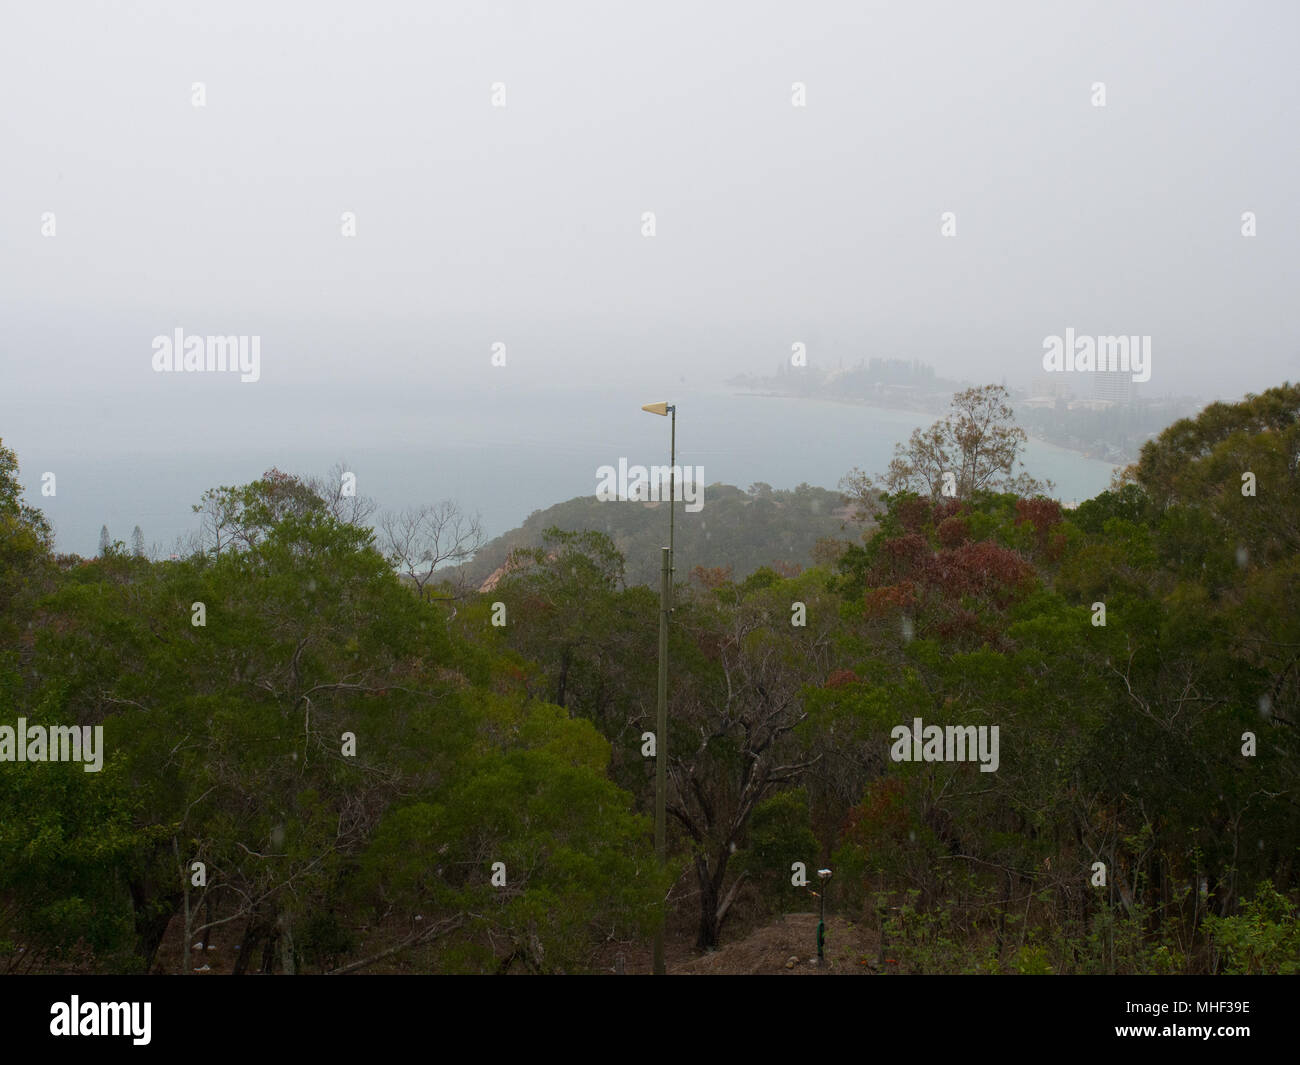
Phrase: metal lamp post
x=661 y=723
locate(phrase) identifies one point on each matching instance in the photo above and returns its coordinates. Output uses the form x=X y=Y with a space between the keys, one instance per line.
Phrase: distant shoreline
x=849 y=402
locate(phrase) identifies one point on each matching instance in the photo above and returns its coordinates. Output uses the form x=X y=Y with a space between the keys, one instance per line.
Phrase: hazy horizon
x=799 y=165
x=736 y=439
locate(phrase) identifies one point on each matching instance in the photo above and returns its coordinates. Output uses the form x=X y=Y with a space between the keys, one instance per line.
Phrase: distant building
x=1048 y=390
x=1114 y=386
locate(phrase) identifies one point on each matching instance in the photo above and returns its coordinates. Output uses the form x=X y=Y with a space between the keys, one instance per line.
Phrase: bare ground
x=850 y=950
x=767 y=949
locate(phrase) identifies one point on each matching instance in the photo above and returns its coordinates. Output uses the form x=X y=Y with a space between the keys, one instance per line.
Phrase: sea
x=496 y=450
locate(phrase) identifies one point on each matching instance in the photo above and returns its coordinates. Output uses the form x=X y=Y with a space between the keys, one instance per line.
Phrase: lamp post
x=661 y=722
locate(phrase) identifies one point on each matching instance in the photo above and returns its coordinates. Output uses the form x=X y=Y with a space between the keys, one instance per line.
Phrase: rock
x=791 y=962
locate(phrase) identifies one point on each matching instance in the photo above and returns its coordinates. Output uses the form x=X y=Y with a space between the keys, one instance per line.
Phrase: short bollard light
x=825 y=875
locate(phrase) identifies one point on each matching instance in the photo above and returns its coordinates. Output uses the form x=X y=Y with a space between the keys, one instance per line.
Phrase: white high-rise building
x=1113 y=386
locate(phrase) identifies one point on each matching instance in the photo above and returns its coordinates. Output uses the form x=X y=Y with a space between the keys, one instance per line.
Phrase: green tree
x=976 y=447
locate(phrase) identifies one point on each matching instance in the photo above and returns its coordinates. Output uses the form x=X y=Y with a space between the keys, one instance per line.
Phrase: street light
x=661 y=724
x=664 y=409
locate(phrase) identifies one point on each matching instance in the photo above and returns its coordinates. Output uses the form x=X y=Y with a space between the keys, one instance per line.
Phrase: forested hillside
x=304 y=759
x=740 y=529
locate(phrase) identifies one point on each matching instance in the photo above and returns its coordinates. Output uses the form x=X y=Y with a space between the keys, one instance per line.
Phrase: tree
x=13 y=510
x=229 y=734
x=240 y=517
x=344 y=505
x=736 y=699
x=417 y=540
x=991 y=609
x=226 y=746
x=25 y=541
x=569 y=616
x=576 y=862
x=976 y=447
x=1168 y=466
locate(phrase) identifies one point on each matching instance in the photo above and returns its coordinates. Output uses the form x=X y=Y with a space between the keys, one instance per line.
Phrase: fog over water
x=128 y=212
x=499 y=452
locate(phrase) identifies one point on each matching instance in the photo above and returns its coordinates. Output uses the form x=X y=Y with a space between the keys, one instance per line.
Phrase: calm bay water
x=503 y=451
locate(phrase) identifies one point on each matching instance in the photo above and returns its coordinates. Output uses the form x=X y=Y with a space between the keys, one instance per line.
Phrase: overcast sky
x=523 y=223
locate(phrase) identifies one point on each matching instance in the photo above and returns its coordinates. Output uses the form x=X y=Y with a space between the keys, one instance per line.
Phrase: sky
x=126 y=211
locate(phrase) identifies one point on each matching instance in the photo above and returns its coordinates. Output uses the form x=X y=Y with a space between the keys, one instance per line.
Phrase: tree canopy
x=336 y=768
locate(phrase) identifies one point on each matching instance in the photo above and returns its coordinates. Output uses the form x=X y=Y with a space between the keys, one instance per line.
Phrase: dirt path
x=850 y=950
